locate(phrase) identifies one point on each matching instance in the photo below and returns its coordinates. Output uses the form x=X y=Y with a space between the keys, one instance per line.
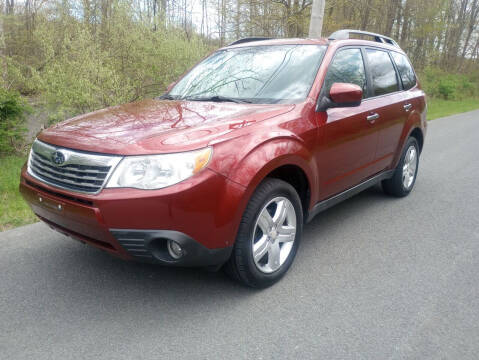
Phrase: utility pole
x=317 y=15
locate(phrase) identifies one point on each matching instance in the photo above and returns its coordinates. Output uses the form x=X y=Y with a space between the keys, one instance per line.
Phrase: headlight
x=158 y=171
x=29 y=160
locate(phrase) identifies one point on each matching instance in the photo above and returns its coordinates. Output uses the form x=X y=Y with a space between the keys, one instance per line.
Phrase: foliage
x=77 y=66
x=14 y=211
x=79 y=56
x=449 y=86
x=12 y=111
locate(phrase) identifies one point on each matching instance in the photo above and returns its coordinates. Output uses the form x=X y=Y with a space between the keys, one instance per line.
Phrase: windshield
x=256 y=74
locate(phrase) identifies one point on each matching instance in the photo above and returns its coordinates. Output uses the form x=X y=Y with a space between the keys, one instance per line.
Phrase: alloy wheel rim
x=409 y=167
x=274 y=234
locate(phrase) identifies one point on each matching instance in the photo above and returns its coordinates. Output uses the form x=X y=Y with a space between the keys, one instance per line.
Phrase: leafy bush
x=445 y=86
x=78 y=66
x=12 y=111
x=24 y=79
x=469 y=88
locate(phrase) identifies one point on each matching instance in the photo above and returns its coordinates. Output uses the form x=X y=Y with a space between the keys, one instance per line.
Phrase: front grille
x=73 y=170
x=60 y=195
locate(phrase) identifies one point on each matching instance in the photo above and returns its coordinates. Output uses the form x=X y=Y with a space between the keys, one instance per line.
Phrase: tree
x=316 y=22
x=2 y=47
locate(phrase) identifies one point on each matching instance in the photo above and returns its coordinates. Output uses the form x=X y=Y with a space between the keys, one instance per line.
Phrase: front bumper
x=150 y=246
x=201 y=213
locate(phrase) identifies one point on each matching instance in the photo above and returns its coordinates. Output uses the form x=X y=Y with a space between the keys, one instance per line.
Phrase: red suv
x=227 y=166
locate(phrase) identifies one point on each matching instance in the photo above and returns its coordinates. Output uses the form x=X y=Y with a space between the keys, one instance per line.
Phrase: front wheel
x=268 y=236
x=404 y=178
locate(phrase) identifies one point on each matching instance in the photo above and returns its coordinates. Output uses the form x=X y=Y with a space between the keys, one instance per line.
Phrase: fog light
x=174 y=249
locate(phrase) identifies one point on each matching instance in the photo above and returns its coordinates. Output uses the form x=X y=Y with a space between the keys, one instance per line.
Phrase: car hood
x=157 y=126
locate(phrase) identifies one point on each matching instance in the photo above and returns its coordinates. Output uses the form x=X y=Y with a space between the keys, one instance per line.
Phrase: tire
x=276 y=246
x=404 y=177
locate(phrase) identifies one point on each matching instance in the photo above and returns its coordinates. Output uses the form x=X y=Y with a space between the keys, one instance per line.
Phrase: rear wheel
x=404 y=178
x=268 y=236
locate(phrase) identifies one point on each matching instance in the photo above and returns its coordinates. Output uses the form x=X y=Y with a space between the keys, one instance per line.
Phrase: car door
x=413 y=103
x=389 y=103
x=347 y=148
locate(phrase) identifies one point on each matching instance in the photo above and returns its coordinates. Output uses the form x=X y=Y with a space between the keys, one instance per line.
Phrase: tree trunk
x=475 y=52
x=405 y=23
x=471 y=27
x=316 y=22
x=391 y=17
x=365 y=15
x=105 y=22
x=237 y=19
x=155 y=14
x=457 y=26
x=9 y=6
x=2 y=47
x=398 y=21
x=251 y=18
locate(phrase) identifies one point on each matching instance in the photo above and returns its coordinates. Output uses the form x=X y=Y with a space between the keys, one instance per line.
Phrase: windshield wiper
x=218 y=98
x=168 y=97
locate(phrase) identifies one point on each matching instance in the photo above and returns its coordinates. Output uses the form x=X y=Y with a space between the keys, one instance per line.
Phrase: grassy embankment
x=438 y=108
x=15 y=212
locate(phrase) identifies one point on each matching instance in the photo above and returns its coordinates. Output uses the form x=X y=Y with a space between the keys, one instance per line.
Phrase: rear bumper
x=202 y=214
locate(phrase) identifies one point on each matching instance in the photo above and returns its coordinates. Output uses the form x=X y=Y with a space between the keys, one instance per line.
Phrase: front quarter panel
x=247 y=160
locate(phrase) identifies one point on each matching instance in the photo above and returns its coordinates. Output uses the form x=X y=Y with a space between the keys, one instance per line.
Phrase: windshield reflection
x=256 y=74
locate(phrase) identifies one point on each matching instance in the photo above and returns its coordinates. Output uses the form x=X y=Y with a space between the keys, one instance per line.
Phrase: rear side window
x=382 y=71
x=405 y=70
x=346 y=67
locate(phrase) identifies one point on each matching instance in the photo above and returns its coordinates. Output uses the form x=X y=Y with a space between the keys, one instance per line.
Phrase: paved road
x=375 y=278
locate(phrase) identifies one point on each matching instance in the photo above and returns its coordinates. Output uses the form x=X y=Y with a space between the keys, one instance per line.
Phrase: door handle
x=407 y=107
x=373 y=117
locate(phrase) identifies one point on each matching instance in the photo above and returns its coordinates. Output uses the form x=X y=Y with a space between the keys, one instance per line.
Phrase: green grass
x=13 y=209
x=439 y=107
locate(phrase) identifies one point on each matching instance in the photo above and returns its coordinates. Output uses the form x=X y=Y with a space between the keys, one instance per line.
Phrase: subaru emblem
x=58 y=158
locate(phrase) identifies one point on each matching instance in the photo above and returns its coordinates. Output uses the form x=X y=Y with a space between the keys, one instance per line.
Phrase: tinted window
x=405 y=70
x=258 y=74
x=382 y=71
x=346 y=67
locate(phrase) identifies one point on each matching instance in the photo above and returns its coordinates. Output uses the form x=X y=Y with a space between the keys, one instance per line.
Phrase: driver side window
x=347 y=67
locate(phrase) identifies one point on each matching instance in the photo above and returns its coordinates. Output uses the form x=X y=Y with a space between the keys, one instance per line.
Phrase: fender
x=270 y=155
x=245 y=171
x=413 y=122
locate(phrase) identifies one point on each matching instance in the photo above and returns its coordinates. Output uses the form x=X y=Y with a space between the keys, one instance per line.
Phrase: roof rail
x=344 y=35
x=250 y=39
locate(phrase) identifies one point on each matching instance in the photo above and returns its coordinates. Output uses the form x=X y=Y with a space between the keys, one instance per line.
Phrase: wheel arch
x=286 y=159
x=297 y=178
x=419 y=136
x=411 y=128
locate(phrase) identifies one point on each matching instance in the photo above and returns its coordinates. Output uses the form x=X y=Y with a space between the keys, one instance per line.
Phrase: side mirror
x=170 y=86
x=341 y=95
